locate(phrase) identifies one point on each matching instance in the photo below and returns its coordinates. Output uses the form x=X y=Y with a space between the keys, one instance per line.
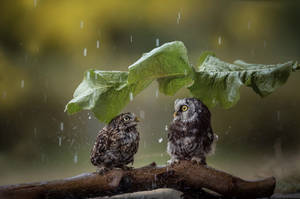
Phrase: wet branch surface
x=185 y=176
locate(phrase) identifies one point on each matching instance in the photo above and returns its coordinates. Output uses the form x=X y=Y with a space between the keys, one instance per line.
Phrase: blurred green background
x=45 y=47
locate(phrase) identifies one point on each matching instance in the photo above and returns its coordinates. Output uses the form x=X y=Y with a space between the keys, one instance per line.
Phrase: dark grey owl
x=190 y=136
x=116 y=143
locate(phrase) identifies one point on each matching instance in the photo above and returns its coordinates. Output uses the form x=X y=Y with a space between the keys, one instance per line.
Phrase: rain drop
x=156 y=93
x=131 y=39
x=178 y=17
x=157 y=41
x=45 y=97
x=278 y=115
x=88 y=75
x=22 y=83
x=75 y=158
x=142 y=114
x=131 y=96
x=62 y=126
x=43 y=157
x=72 y=142
x=265 y=43
x=98 y=44
x=214 y=101
x=85 y=52
x=90 y=117
x=166 y=128
x=59 y=141
x=219 y=40
x=34 y=131
x=4 y=94
x=249 y=25
x=160 y=140
x=81 y=24
x=34 y=3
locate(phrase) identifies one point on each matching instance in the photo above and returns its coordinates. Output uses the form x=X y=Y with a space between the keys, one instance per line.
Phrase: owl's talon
x=127 y=168
x=198 y=161
x=102 y=170
x=173 y=162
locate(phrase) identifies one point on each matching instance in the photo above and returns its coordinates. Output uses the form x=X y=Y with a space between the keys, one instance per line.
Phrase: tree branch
x=183 y=176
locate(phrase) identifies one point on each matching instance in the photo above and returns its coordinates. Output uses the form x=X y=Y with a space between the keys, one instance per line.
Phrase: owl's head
x=124 y=120
x=190 y=109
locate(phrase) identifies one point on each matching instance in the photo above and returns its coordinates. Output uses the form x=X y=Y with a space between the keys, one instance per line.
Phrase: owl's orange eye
x=184 y=108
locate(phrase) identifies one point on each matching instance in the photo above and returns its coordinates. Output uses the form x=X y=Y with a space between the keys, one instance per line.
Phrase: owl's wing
x=100 y=147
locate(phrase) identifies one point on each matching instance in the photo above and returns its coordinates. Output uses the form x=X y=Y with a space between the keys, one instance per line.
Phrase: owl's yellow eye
x=184 y=108
x=126 y=118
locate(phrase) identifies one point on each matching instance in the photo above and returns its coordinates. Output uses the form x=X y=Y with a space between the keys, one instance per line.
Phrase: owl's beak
x=137 y=119
x=175 y=114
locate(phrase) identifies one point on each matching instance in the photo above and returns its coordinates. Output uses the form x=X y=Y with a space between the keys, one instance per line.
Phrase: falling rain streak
x=81 y=24
x=75 y=158
x=219 y=40
x=85 y=52
x=131 y=96
x=22 y=83
x=59 y=141
x=98 y=44
x=131 y=39
x=4 y=94
x=34 y=3
x=157 y=41
x=156 y=93
x=160 y=140
x=62 y=126
x=142 y=114
x=34 y=131
x=178 y=17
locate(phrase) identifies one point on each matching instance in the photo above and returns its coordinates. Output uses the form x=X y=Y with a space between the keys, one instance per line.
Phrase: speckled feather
x=190 y=135
x=116 y=143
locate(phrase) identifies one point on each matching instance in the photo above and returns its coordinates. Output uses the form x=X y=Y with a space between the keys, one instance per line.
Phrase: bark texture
x=185 y=177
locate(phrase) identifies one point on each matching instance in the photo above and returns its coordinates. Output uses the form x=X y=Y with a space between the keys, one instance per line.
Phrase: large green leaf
x=218 y=82
x=106 y=93
x=103 y=92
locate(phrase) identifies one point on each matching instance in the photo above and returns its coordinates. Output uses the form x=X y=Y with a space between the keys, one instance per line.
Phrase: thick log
x=184 y=177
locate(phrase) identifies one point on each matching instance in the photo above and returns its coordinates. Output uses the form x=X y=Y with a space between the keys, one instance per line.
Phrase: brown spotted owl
x=116 y=143
x=190 y=135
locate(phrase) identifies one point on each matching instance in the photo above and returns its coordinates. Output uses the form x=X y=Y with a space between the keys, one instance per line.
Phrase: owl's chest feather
x=125 y=140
